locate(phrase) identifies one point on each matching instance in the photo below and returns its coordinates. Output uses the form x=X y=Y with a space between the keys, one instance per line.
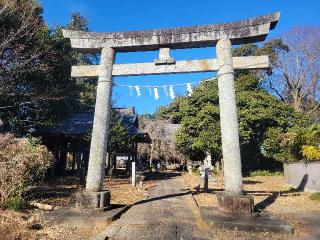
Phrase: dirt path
x=169 y=212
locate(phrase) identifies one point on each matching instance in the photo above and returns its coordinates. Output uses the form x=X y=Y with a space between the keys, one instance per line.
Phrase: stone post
x=228 y=119
x=206 y=179
x=93 y=197
x=133 y=173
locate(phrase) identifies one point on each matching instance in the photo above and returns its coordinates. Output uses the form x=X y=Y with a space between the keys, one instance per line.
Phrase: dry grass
x=61 y=192
x=122 y=192
x=29 y=225
x=259 y=187
x=270 y=193
x=29 y=161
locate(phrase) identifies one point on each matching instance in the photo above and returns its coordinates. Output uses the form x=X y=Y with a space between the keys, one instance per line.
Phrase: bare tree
x=162 y=145
x=19 y=23
x=296 y=74
x=34 y=68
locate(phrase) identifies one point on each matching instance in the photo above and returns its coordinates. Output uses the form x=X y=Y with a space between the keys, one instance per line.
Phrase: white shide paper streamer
x=156 y=93
x=171 y=92
x=138 y=91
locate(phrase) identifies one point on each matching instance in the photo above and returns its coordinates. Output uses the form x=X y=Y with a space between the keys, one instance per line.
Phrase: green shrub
x=315 y=196
x=196 y=171
x=23 y=164
x=217 y=170
x=16 y=203
x=311 y=153
x=264 y=173
x=301 y=144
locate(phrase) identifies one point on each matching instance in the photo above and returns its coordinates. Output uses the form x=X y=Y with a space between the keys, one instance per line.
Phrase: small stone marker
x=206 y=179
x=204 y=174
x=189 y=167
x=133 y=174
x=140 y=179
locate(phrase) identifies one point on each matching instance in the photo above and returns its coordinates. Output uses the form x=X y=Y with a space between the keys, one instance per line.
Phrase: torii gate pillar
x=100 y=131
x=93 y=197
x=232 y=200
x=228 y=119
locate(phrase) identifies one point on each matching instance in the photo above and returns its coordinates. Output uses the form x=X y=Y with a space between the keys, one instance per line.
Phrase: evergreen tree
x=262 y=118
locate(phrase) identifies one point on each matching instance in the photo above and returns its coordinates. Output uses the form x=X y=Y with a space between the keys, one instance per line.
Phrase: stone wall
x=303 y=176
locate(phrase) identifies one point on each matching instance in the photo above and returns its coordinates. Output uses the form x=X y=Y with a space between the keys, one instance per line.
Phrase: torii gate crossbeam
x=191 y=66
x=241 y=32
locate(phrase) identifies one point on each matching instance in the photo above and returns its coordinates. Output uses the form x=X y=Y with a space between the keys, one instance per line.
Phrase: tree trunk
x=114 y=160
x=1 y=126
x=109 y=162
x=297 y=104
x=111 y=166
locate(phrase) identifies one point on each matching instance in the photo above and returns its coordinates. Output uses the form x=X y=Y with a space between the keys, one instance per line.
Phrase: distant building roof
x=81 y=123
x=129 y=110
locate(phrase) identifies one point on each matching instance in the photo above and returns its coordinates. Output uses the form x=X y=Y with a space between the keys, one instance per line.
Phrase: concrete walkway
x=169 y=212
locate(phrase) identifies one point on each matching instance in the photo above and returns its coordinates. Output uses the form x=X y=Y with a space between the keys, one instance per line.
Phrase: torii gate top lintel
x=240 y=32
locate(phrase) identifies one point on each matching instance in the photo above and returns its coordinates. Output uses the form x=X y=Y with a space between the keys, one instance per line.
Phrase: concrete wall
x=303 y=176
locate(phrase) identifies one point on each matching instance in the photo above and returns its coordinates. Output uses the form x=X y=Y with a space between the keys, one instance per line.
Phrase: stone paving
x=169 y=212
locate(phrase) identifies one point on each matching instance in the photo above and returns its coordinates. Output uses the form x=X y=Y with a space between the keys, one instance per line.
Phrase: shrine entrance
x=221 y=36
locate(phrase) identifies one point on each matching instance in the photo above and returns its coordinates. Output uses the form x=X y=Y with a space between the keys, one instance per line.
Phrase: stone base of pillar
x=98 y=201
x=239 y=205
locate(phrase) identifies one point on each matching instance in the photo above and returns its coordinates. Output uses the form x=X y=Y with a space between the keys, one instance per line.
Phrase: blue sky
x=122 y=15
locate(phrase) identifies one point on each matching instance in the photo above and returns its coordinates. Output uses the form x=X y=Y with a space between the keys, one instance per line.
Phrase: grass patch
x=196 y=171
x=265 y=173
x=288 y=188
x=315 y=196
x=17 y=204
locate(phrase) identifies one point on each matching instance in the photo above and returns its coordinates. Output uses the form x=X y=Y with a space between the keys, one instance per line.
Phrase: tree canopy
x=36 y=88
x=35 y=84
x=262 y=117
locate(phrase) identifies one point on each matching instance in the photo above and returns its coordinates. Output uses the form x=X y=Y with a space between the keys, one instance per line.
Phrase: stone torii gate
x=223 y=36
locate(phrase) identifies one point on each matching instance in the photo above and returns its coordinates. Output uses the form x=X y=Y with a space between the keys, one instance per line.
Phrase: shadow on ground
x=62 y=187
x=250 y=182
x=162 y=197
x=161 y=175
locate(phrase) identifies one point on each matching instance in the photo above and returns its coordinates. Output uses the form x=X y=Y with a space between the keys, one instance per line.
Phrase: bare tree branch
x=19 y=24
x=298 y=70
